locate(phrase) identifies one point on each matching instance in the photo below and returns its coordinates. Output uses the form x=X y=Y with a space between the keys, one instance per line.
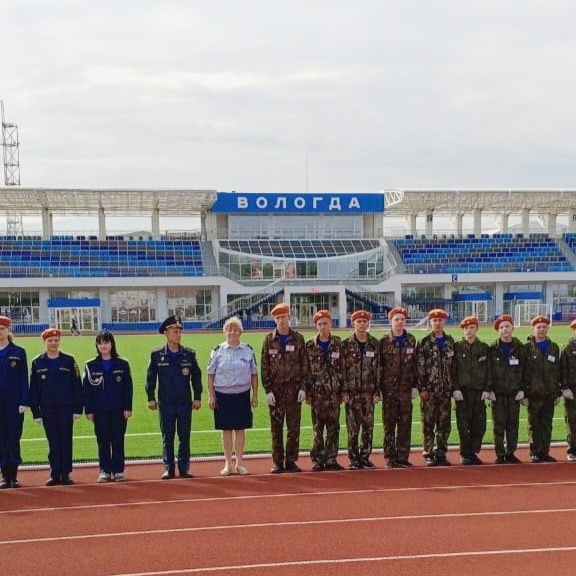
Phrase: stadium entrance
x=75 y=316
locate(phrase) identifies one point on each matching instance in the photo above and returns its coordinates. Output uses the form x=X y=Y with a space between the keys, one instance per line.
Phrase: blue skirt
x=232 y=411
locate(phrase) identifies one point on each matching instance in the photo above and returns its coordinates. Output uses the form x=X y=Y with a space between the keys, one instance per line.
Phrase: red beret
x=437 y=313
x=321 y=314
x=469 y=321
x=540 y=320
x=360 y=314
x=51 y=333
x=397 y=310
x=573 y=324
x=281 y=308
x=5 y=321
x=503 y=318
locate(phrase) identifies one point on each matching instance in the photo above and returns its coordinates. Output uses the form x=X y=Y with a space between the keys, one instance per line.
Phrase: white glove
x=519 y=397
x=22 y=409
x=38 y=421
x=493 y=396
x=270 y=399
x=301 y=395
x=457 y=395
x=485 y=396
x=568 y=394
x=414 y=393
x=557 y=400
x=77 y=417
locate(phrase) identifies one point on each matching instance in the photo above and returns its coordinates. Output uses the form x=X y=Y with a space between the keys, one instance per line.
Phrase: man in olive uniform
x=543 y=388
x=507 y=358
x=175 y=368
x=399 y=386
x=361 y=388
x=285 y=373
x=471 y=390
x=324 y=392
x=435 y=355
x=568 y=378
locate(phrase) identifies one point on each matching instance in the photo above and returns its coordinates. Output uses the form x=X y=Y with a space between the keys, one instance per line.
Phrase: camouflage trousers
x=506 y=419
x=540 y=416
x=471 y=422
x=360 y=415
x=436 y=424
x=325 y=418
x=287 y=409
x=397 y=420
x=570 y=419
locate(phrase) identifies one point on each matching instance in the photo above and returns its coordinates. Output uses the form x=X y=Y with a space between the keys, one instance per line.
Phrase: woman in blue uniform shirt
x=107 y=385
x=13 y=403
x=56 y=402
x=232 y=374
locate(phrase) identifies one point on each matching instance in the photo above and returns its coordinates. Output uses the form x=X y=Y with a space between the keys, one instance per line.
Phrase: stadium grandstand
x=458 y=249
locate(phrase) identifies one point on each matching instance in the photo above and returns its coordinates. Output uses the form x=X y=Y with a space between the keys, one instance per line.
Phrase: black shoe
x=277 y=469
x=318 y=467
x=168 y=475
x=354 y=465
x=365 y=463
x=548 y=458
x=14 y=483
x=430 y=461
x=391 y=464
x=443 y=461
x=334 y=466
x=52 y=481
x=66 y=480
x=186 y=475
x=292 y=467
x=536 y=460
x=5 y=483
x=513 y=459
x=476 y=461
x=403 y=463
x=466 y=461
x=500 y=460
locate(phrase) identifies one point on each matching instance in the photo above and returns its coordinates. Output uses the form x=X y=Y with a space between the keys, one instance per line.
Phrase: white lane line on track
x=283 y=495
x=260 y=525
x=339 y=561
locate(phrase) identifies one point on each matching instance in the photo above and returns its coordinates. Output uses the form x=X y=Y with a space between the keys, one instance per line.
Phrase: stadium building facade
x=420 y=248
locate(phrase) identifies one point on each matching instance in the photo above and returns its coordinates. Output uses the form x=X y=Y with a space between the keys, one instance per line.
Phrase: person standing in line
x=232 y=377
x=361 y=389
x=543 y=388
x=471 y=390
x=14 y=401
x=56 y=402
x=285 y=374
x=399 y=386
x=108 y=388
x=568 y=379
x=507 y=357
x=324 y=392
x=175 y=369
x=435 y=356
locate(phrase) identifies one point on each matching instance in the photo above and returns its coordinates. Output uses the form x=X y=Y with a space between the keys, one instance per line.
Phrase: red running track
x=462 y=520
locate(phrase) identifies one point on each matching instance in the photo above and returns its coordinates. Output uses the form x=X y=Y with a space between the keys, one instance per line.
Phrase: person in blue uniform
x=13 y=403
x=56 y=402
x=232 y=378
x=175 y=368
x=107 y=385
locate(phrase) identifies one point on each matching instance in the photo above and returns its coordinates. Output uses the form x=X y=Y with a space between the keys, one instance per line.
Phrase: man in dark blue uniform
x=56 y=401
x=13 y=403
x=175 y=368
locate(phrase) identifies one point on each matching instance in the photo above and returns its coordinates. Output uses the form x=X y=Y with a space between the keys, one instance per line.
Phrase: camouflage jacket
x=568 y=365
x=361 y=369
x=398 y=364
x=507 y=373
x=471 y=366
x=435 y=365
x=325 y=367
x=284 y=367
x=542 y=370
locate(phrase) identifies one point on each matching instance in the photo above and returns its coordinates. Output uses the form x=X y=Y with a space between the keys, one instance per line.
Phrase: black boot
x=6 y=481
x=14 y=477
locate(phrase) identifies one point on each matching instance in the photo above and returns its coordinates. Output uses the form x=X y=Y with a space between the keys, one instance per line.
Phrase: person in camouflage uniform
x=285 y=374
x=360 y=388
x=324 y=392
x=568 y=379
x=543 y=388
x=434 y=356
x=398 y=386
x=507 y=358
x=471 y=374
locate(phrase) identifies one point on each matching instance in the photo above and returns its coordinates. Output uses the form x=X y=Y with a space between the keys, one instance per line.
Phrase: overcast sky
x=252 y=95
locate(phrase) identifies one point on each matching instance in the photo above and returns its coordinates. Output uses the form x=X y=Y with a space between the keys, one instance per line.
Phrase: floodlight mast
x=11 y=156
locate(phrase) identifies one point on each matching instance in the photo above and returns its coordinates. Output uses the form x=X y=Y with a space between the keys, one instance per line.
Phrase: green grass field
x=143 y=437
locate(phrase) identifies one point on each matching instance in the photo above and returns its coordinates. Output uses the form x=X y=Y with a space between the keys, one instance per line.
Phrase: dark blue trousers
x=176 y=418
x=10 y=433
x=110 y=428
x=59 y=425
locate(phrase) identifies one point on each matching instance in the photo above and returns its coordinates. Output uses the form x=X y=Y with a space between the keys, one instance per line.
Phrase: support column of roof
x=572 y=221
x=477 y=215
x=459 y=225
x=47 y=224
x=412 y=224
x=429 y=223
x=526 y=221
x=101 y=224
x=156 y=224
